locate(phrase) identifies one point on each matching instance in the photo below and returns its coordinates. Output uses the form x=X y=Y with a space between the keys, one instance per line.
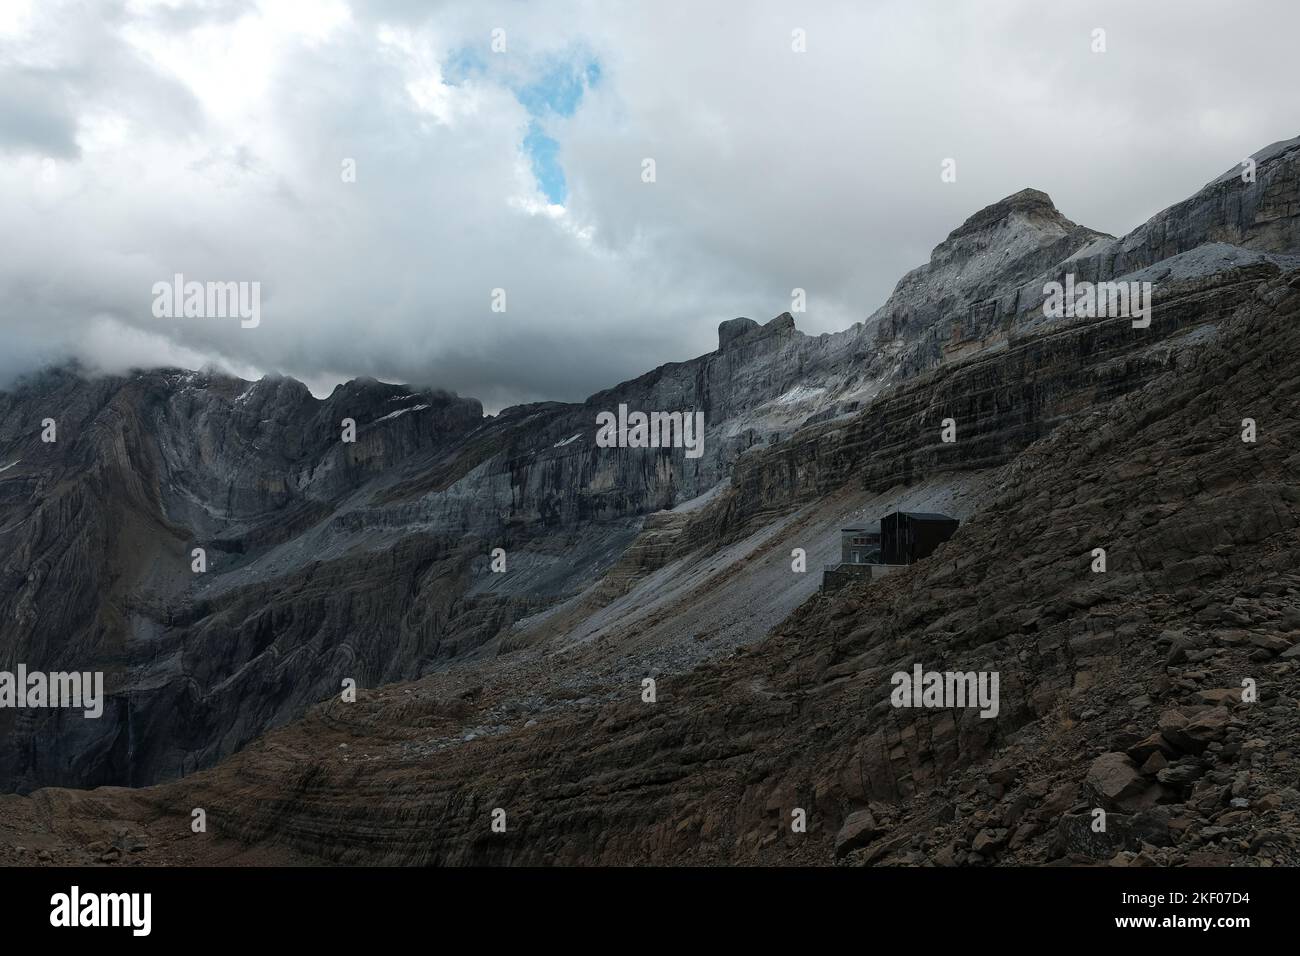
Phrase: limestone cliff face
x=1000 y=402
x=369 y=559
x=98 y=528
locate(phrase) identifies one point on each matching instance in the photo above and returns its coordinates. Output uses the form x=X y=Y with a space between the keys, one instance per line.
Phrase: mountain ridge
x=368 y=559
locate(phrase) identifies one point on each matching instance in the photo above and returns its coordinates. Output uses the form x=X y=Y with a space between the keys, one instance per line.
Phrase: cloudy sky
x=141 y=139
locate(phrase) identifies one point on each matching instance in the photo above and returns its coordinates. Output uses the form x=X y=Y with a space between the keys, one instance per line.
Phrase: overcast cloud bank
x=141 y=140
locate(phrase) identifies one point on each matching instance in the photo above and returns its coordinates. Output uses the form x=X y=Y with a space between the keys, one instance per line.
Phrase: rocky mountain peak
x=1033 y=205
x=733 y=331
x=991 y=254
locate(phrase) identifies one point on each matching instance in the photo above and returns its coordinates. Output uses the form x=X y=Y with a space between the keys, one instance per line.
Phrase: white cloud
x=207 y=139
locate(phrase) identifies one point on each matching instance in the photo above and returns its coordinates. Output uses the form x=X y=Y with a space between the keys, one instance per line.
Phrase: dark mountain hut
x=907 y=536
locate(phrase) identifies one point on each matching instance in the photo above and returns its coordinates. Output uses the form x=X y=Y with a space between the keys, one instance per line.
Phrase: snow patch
x=401 y=411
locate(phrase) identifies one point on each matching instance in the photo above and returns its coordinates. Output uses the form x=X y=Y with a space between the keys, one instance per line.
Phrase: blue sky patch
x=559 y=90
x=543 y=152
x=556 y=91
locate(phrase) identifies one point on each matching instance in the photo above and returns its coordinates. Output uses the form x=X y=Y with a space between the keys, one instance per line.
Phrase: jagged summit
x=734 y=331
x=1029 y=196
x=1031 y=205
x=988 y=257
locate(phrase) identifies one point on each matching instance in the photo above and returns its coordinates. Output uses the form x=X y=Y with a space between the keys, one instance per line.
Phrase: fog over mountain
x=139 y=140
